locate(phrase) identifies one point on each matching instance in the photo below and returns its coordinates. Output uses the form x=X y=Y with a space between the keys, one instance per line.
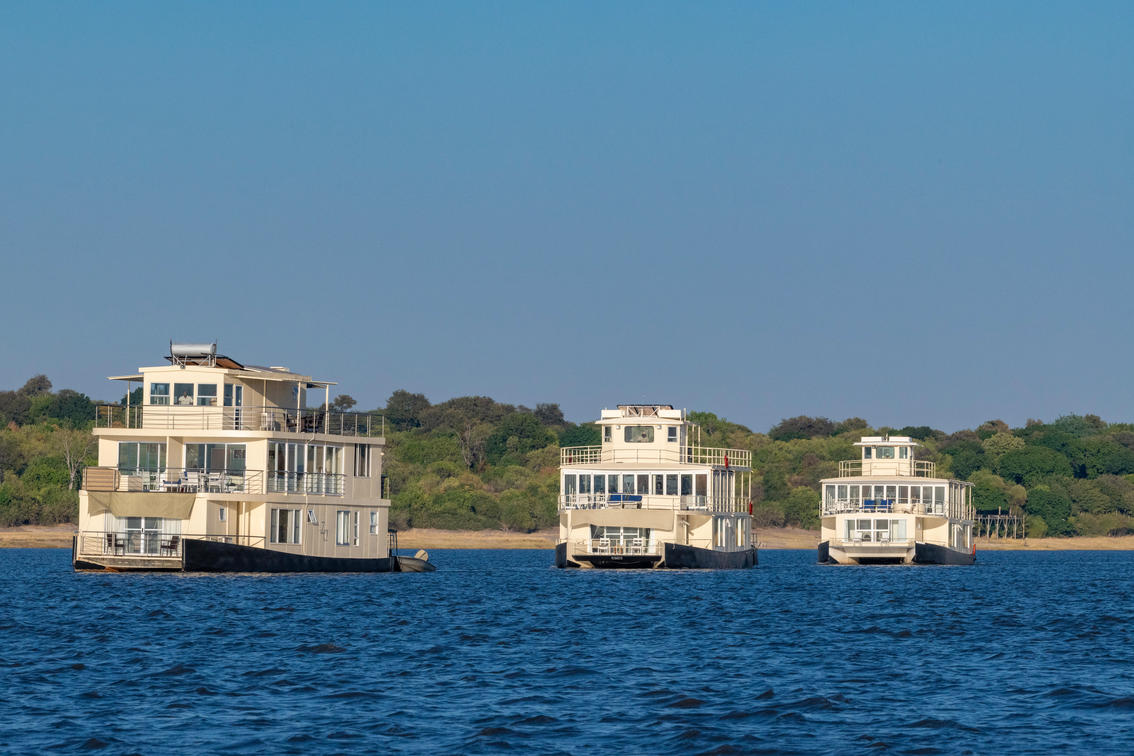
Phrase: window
x=159 y=393
x=606 y=433
x=885 y=452
x=183 y=394
x=612 y=484
x=686 y=485
x=346 y=528
x=671 y=434
x=671 y=485
x=361 y=461
x=311 y=518
x=221 y=514
x=639 y=434
x=285 y=526
x=600 y=484
x=206 y=394
x=584 y=484
x=373 y=523
x=141 y=456
x=866 y=450
x=659 y=486
x=569 y=484
x=628 y=484
x=215 y=457
x=903 y=452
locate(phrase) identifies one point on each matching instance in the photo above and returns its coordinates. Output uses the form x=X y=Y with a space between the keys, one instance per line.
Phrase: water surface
x=497 y=651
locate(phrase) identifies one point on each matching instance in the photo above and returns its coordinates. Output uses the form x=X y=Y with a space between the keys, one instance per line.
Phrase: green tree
x=516 y=435
x=1054 y=508
x=967 y=458
x=404 y=410
x=584 y=434
x=801 y=427
x=1032 y=464
x=802 y=507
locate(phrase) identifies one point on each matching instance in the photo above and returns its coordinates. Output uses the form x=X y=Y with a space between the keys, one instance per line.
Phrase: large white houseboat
x=650 y=496
x=890 y=508
x=224 y=467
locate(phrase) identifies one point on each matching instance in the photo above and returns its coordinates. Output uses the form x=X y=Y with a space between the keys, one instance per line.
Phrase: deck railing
x=646 y=501
x=616 y=546
x=247 y=418
x=195 y=480
x=919 y=468
x=900 y=543
x=572 y=456
x=883 y=506
x=148 y=543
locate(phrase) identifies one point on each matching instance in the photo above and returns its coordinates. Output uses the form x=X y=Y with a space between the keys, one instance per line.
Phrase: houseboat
x=224 y=468
x=650 y=496
x=890 y=508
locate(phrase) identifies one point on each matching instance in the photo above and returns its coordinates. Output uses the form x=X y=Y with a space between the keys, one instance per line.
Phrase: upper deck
x=201 y=390
x=651 y=435
x=887 y=456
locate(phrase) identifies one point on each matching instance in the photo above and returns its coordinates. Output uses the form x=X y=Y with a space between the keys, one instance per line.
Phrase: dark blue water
x=497 y=651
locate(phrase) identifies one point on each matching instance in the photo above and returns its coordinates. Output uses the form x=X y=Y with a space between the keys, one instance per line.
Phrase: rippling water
x=497 y=651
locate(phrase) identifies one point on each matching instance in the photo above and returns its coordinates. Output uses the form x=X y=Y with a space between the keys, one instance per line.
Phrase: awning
x=174 y=506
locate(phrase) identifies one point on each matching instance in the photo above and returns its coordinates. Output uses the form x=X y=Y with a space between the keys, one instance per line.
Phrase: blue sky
x=914 y=213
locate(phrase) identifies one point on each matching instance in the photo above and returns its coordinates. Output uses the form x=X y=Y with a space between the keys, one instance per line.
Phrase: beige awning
x=175 y=506
x=660 y=519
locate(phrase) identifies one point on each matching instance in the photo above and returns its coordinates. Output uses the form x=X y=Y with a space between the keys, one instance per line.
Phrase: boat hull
x=674 y=556
x=923 y=553
x=215 y=556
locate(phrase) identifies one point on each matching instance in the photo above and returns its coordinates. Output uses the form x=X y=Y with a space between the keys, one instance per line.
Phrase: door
x=234 y=398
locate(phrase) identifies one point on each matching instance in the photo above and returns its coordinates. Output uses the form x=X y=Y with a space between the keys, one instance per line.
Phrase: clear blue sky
x=915 y=213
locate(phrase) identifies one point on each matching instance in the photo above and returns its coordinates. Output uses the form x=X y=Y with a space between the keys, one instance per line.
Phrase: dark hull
x=211 y=556
x=675 y=556
x=928 y=553
x=924 y=553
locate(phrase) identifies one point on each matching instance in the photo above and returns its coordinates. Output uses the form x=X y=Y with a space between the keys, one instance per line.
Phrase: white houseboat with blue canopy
x=651 y=496
x=225 y=467
x=890 y=508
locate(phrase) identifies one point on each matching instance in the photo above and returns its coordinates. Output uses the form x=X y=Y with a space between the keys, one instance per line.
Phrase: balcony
x=260 y=419
x=883 y=506
x=732 y=504
x=575 y=456
x=188 y=480
x=618 y=547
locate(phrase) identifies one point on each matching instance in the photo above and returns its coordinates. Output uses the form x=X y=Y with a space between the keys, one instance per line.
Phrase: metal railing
x=918 y=468
x=571 y=456
x=616 y=546
x=900 y=543
x=885 y=506
x=148 y=543
x=247 y=418
x=190 y=480
x=646 y=501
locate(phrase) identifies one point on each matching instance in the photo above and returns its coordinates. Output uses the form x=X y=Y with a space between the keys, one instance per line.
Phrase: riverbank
x=59 y=536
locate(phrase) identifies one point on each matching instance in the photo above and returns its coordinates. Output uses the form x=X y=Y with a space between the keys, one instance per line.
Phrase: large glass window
x=569 y=484
x=885 y=452
x=141 y=456
x=639 y=434
x=671 y=485
x=206 y=394
x=600 y=484
x=628 y=484
x=584 y=484
x=671 y=434
x=659 y=485
x=159 y=393
x=183 y=394
x=285 y=526
x=687 y=485
x=606 y=433
x=866 y=451
x=343 y=528
x=612 y=484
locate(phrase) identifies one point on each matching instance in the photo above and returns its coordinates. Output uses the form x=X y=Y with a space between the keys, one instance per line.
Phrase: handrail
x=898 y=506
x=856 y=542
x=150 y=544
x=201 y=480
x=571 y=456
x=916 y=468
x=617 y=546
x=730 y=504
x=244 y=418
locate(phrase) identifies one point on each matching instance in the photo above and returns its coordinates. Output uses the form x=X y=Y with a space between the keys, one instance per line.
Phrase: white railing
x=147 y=543
x=246 y=418
x=897 y=543
x=897 y=506
x=191 y=480
x=571 y=456
x=852 y=468
x=620 y=547
x=647 y=501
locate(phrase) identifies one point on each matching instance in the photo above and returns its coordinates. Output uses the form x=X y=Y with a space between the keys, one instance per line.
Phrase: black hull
x=928 y=553
x=825 y=553
x=212 y=556
x=675 y=556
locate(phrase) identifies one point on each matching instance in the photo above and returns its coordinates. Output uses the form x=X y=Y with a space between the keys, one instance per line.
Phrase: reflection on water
x=499 y=651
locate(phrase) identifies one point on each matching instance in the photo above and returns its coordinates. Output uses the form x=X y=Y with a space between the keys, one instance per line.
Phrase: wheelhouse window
x=606 y=433
x=671 y=434
x=285 y=526
x=183 y=394
x=866 y=452
x=639 y=434
x=206 y=394
x=671 y=485
x=885 y=452
x=903 y=452
x=159 y=393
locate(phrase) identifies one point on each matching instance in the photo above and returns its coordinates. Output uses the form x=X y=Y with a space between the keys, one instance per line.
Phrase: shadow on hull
x=675 y=556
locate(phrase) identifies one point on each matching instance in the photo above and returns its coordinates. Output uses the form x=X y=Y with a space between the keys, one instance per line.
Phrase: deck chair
x=171 y=545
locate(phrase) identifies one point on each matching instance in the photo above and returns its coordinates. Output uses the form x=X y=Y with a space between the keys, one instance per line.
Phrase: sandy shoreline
x=59 y=536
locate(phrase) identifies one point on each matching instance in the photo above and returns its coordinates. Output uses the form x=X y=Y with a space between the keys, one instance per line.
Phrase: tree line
x=472 y=462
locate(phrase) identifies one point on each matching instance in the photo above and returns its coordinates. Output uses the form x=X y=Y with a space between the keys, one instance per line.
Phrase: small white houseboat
x=890 y=508
x=650 y=496
x=223 y=467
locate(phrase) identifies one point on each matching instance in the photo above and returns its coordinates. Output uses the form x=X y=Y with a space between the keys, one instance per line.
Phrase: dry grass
x=37 y=536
